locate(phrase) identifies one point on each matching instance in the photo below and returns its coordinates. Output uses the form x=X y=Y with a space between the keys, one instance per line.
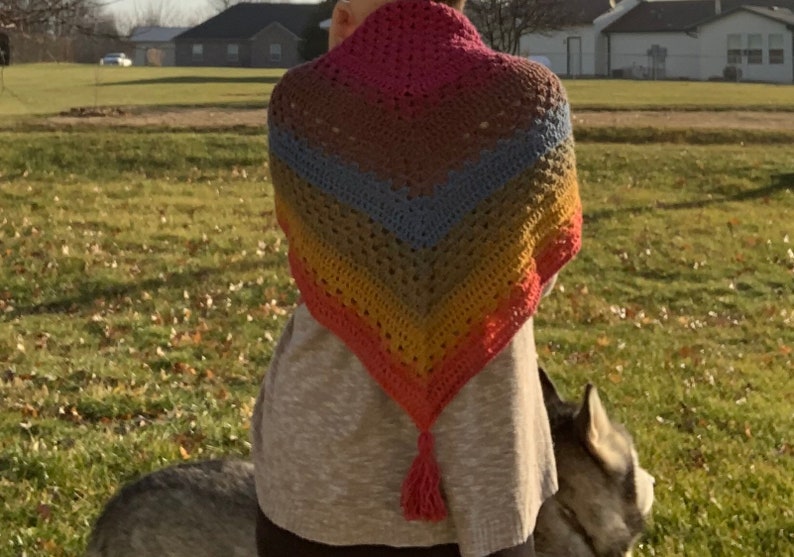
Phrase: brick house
x=247 y=35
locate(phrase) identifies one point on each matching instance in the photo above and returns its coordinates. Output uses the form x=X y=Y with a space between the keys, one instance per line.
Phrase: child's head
x=349 y=14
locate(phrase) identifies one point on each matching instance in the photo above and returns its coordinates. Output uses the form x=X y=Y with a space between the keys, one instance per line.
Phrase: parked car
x=115 y=59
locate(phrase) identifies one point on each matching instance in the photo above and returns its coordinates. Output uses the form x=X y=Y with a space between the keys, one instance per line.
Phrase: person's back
x=427 y=187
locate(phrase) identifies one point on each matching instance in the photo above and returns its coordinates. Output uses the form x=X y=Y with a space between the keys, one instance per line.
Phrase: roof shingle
x=681 y=15
x=244 y=20
x=585 y=11
x=156 y=34
x=782 y=15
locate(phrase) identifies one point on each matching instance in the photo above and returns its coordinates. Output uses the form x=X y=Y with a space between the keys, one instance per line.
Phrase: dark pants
x=272 y=541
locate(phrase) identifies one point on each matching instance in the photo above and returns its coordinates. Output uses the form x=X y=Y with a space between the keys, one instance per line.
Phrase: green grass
x=143 y=283
x=602 y=94
x=639 y=135
x=37 y=89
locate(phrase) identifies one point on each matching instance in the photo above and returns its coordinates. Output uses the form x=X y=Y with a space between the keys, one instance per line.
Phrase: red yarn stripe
x=422 y=399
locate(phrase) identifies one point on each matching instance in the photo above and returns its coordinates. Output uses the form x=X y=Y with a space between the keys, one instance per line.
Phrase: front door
x=574 y=56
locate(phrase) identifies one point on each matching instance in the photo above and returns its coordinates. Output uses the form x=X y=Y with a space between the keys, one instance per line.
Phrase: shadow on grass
x=780 y=182
x=682 y=136
x=196 y=79
x=91 y=291
x=236 y=105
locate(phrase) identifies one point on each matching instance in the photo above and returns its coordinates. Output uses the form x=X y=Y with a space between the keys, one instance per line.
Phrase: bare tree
x=151 y=13
x=57 y=30
x=219 y=6
x=54 y=16
x=502 y=23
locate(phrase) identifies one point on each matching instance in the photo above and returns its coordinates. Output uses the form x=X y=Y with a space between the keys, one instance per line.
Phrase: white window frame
x=233 y=52
x=275 y=52
x=734 y=50
x=755 y=49
x=776 y=48
x=197 y=52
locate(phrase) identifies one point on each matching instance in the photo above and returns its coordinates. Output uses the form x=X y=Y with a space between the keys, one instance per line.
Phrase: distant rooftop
x=684 y=15
x=156 y=34
x=783 y=15
x=586 y=11
x=244 y=20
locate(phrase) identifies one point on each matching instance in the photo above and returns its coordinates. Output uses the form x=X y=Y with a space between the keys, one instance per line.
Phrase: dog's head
x=604 y=494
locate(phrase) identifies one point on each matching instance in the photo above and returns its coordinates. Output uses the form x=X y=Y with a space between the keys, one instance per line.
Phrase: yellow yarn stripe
x=449 y=321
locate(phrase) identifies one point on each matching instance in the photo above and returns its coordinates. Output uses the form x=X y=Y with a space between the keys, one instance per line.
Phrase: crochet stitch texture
x=427 y=187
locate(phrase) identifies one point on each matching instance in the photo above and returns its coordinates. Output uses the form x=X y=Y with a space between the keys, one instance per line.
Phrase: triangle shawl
x=427 y=188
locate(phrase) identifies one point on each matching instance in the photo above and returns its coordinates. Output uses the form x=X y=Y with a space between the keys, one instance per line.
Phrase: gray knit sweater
x=331 y=449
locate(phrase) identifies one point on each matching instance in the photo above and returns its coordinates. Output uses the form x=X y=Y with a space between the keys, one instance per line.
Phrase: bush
x=732 y=73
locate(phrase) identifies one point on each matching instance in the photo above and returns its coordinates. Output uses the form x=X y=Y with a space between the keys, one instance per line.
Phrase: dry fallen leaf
x=50 y=547
x=44 y=511
x=603 y=340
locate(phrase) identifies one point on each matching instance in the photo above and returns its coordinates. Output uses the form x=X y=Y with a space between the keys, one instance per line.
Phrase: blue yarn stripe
x=423 y=221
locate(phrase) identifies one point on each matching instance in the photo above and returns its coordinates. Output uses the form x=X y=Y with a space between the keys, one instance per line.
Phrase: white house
x=676 y=39
x=154 y=46
x=579 y=50
x=759 y=41
x=657 y=40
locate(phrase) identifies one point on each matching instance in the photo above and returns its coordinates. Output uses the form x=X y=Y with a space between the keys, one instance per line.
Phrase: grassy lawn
x=143 y=284
x=603 y=94
x=38 y=89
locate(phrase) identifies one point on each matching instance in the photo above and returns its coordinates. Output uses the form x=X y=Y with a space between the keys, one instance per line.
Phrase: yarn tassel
x=421 y=492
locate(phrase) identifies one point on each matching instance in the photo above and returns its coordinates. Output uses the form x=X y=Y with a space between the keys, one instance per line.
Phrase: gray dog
x=208 y=509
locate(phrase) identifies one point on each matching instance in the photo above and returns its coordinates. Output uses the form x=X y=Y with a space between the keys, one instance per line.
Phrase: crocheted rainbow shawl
x=427 y=188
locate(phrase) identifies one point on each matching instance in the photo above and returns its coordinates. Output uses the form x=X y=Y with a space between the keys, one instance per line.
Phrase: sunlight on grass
x=36 y=89
x=51 y=88
x=701 y=95
x=143 y=285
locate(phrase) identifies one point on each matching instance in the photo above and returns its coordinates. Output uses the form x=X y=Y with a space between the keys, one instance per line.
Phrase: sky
x=125 y=6
x=185 y=12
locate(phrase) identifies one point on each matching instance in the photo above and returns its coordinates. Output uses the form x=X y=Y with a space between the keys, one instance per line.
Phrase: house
x=259 y=35
x=699 y=39
x=154 y=46
x=579 y=49
x=678 y=39
x=758 y=41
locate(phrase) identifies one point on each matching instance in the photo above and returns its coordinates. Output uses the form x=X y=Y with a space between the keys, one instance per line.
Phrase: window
x=776 y=55
x=275 y=52
x=734 y=49
x=755 y=49
x=198 y=52
x=233 y=53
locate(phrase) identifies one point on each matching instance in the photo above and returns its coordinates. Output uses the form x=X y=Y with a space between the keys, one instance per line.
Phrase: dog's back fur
x=208 y=509
x=201 y=509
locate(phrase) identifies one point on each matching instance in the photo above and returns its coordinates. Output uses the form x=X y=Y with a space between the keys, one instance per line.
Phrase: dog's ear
x=596 y=431
x=551 y=397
